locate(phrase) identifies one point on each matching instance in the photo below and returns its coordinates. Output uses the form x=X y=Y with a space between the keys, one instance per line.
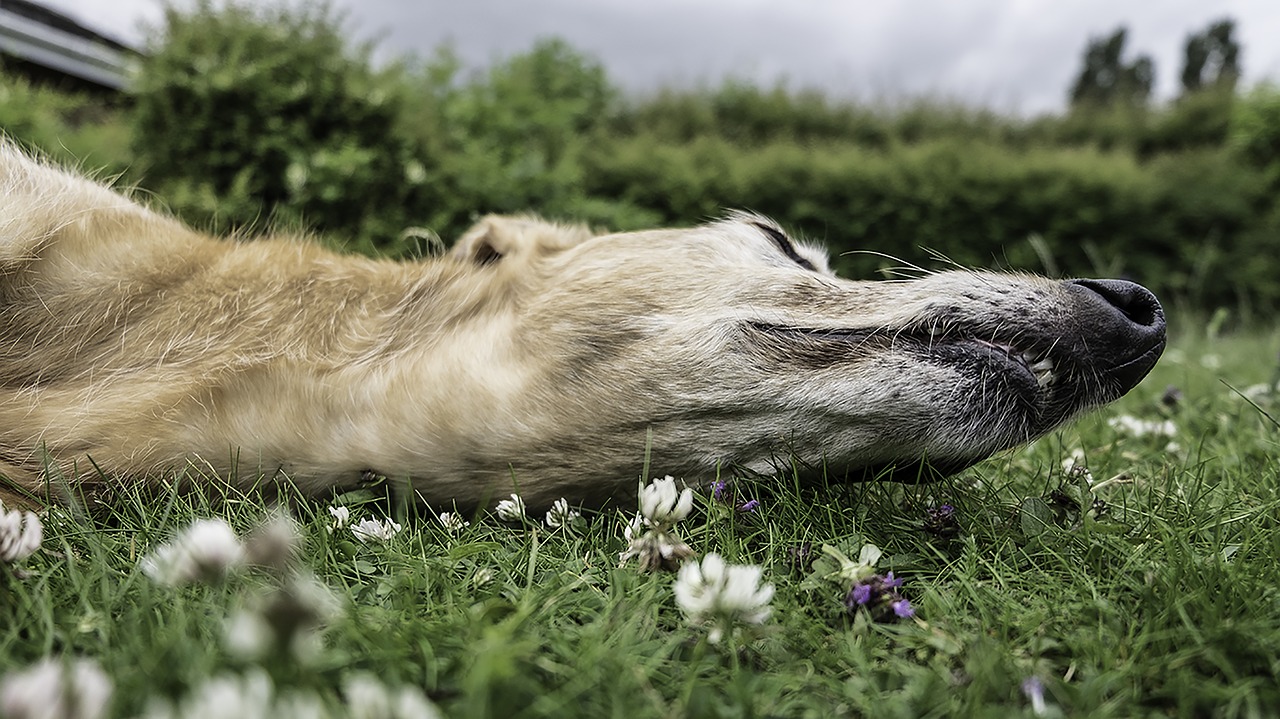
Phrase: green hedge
x=250 y=118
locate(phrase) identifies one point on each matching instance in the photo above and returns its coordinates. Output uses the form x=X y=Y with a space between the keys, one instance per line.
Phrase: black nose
x=1122 y=327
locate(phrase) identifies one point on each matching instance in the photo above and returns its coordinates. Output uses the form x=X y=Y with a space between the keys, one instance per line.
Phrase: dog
x=535 y=357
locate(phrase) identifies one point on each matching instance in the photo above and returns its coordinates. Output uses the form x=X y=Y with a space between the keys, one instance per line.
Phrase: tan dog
x=532 y=353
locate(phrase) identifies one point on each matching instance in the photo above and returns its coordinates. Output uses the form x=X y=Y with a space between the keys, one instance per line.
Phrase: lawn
x=1128 y=565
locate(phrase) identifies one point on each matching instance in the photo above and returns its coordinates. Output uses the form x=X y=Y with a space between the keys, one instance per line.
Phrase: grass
x=1166 y=603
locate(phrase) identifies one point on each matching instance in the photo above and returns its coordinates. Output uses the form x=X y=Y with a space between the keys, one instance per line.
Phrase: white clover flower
x=633 y=529
x=275 y=543
x=561 y=515
x=288 y=620
x=661 y=507
x=56 y=688
x=662 y=504
x=375 y=530
x=1074 y=466
x=1135 y=427
x=368 y=698
x=228 y=696
x=722 y=595
x=205 y=551
x=453 y=523
x=341 y=517
x=1259 y=392
x=20 y=534
x=247 y=635
x=655 y=548
x=511 y=510
x=481 y=577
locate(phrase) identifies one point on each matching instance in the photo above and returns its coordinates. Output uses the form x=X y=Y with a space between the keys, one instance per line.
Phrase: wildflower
x=1259 y=393
x=561 y=515
x=368 y=698
x=940 y=521
x=1074 y=465
x=453 y=523
x=663 y=505
x=341 y=517
x=511 y=510
x=55 y=687
x=722 y=595
x=902 y=609
x=720 y=490
x=1135 y=427
x=275 y=543
x=1172 y=397
x=481 y=577
x=205 y=551
x=288 y=620
x=750 y=505
x=877 y=594
x=1033 y=688
x=369 y=530
x=229 y=695
x=656 y=549
x=799 y=556
x=20 y=534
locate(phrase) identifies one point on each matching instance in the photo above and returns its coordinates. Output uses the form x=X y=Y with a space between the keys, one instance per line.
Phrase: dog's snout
x=1135 y=302
x=1122 y=326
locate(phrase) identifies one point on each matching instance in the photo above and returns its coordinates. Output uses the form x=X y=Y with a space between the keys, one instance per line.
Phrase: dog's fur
x=537 y=353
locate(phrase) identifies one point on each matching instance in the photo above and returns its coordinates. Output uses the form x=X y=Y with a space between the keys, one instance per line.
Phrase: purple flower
x=878 y=595
x=749 y=506
x=902 y=608
x=941 y=521
x=720 y=490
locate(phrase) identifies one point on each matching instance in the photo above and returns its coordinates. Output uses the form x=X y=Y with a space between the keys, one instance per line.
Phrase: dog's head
x=732 y=345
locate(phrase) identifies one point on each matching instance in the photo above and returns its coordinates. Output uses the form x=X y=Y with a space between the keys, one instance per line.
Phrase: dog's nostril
x=1133 y=300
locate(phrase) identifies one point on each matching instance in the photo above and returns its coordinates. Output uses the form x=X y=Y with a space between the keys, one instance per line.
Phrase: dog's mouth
x=1039 y=365
x=823 y=347
x=1031 y=382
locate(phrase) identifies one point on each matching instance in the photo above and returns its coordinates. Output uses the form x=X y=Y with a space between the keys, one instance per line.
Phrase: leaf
x=462 y=551
x=1035 y=517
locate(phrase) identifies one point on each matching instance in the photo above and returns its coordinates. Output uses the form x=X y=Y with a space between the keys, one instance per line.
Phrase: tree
x=1211 y=59
x=1107 y=79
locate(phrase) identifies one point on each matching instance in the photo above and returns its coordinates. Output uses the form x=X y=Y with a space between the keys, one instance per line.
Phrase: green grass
x=1166 y=604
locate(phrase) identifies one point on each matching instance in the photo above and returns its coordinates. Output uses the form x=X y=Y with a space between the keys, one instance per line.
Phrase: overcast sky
x=1009 y=55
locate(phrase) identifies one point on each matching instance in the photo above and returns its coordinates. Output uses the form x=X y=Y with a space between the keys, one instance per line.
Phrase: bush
x=243 y=112
x=1255 y=129
x=69 y=127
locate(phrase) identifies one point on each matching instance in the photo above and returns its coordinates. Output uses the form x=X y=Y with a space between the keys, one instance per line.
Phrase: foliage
x=70 y=127
x=1255 y=129
x=257 y=119
x=1108 y=79
x=269 y=108
x=1211 y=58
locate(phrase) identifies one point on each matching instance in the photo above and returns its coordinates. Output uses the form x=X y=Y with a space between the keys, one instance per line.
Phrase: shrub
x=243 y=111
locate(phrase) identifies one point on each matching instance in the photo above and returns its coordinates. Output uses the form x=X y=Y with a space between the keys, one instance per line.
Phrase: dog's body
x=131 y=345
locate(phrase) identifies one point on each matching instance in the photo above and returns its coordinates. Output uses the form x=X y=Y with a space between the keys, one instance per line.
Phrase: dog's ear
x=496 y=237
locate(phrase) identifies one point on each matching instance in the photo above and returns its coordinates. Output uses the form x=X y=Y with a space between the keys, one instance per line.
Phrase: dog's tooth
x=1044 y=365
